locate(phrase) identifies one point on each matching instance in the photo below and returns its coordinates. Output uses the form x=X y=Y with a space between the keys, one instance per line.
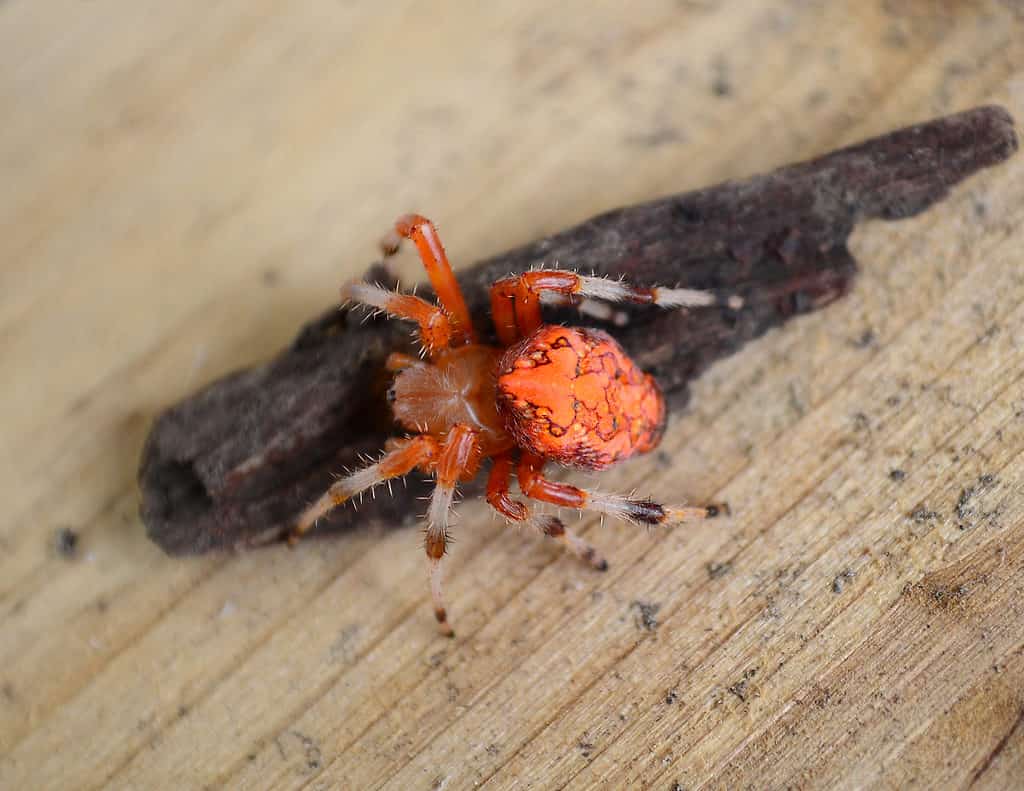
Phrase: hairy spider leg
x=435 y=329
x=435 y=261
x=404 y=456
x=499 y=499
x=459 y=458
x=516 y=300
x=640 y=512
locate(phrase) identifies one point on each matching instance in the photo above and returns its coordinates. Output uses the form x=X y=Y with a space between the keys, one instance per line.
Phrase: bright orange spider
x=548 y=393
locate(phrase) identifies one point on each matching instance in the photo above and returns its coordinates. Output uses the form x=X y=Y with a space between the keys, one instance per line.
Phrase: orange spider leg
x=404 y=456
x=515 y=301
x=498 y=496
x=499 y=499
x=458 y=459
x=520 y=296
x=435 y=329
x=398 y=361
x=435 y=261
x=503 y=312
x=640 y=512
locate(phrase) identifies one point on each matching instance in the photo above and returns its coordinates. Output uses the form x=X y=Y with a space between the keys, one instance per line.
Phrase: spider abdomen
x=574 y=396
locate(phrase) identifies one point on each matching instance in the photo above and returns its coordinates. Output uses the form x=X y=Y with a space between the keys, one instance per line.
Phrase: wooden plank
x=184 y=184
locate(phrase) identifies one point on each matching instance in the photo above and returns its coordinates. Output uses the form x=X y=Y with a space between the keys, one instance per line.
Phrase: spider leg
x=435 y=328
x=516 y=300
x=632 y=509
x=503 y=312
x=499 y=499
x=405 y=454
x=435 y=261
x=588 y=306
x=458 y=457
x=398 y=361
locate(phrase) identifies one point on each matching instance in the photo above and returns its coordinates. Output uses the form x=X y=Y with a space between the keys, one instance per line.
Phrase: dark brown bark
x=231 y=465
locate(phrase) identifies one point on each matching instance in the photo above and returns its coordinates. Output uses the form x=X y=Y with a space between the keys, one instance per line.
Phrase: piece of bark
x=233 y=464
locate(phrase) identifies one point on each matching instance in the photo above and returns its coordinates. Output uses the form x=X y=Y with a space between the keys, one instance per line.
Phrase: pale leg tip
x=594 y=559
x=442 y=623
x=718 y=509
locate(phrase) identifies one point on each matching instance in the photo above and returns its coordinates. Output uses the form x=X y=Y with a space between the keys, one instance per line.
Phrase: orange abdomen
x=574 y=396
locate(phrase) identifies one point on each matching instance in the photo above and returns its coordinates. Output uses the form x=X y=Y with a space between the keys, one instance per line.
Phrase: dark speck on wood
x=716 y=570
x=65 y=542
x=922 y=514
x=646 y=615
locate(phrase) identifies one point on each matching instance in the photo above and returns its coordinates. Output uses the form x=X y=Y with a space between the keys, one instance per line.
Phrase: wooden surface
x=184 y=183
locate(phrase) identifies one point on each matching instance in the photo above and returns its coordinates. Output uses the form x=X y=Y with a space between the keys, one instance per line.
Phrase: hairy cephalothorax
x=548 y=393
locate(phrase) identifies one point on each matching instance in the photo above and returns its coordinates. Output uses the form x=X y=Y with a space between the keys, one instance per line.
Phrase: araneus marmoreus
x=570 y=395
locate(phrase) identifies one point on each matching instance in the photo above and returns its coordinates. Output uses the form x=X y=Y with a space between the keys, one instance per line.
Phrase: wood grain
x=184 y=183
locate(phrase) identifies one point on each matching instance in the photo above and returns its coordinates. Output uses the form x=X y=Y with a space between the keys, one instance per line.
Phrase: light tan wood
x=182 y=184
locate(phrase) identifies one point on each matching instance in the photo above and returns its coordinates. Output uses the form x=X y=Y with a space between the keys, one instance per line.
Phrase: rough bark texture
x=232 y=464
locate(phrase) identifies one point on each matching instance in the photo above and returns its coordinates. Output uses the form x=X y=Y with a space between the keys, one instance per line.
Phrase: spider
x=547 y=393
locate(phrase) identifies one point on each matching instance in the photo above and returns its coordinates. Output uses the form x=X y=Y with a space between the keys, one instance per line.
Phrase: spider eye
x=391 y=395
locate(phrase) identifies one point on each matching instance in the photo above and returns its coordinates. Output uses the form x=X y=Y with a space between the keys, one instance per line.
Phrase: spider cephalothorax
x=547 y=393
